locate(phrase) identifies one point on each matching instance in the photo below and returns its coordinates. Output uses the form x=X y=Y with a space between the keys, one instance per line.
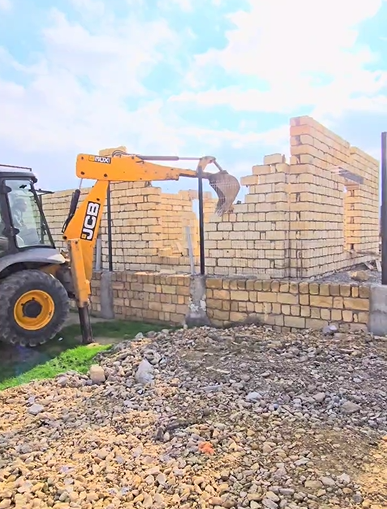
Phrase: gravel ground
x=205 y=418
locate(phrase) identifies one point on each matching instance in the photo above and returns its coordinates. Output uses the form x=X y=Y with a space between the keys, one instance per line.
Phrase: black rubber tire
x=12 y=288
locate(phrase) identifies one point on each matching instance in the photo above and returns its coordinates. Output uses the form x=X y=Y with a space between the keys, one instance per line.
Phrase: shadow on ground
x=16 y=361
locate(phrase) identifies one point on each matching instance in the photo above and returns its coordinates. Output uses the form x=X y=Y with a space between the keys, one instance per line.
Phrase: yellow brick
x=336 y=315
x=250 y=284
x=226 y=284
x=285 y=309
x=213 y=304
x=326 y=314
x=304 y=300
x=338 y=302
x=356 y=304
x=239 y=295
x=321 y=301
x=287 y=298
x=221 y=294
x=267 y=297
x=294 y=321
x=214 y=283
x=226 y=305
x=313 y=288
x=311 y=323
x=345 y=290
x=237 y=317
x=347 y=316
x=276 y=308
x=315 y=312
x=324 y=289
x=305 y=311
x=221 y=315
x=284 y=287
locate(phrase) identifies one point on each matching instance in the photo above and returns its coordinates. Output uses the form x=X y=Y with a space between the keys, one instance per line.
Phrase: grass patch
x=64 y=353
x=77 y=359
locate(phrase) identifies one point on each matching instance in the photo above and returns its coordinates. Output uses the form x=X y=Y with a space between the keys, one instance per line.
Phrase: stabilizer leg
x=85 y=324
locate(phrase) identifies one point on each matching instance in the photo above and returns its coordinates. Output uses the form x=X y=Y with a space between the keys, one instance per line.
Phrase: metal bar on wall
x=201 y=220
x=109 y=228
x=98 y=254
x=190 y=249
x=384 y=208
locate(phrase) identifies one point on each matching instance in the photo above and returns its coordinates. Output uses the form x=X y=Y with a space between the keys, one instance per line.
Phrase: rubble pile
x=204 y=418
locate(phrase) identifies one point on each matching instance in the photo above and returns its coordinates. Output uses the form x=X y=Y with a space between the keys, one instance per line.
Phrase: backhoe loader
x=37 y=280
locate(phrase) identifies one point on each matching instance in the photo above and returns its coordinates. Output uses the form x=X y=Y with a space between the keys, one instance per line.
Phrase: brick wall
x=333 y=229
x=253 y=238
x=290 y=305
x=146 y=297
x=148 y=226
x=285 y=305
x=297 y=221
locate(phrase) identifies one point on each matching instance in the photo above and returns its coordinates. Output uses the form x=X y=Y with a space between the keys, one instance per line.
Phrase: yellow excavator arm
x=81 y=228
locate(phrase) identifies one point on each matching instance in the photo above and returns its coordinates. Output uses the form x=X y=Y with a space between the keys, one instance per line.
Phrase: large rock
x=97 y=374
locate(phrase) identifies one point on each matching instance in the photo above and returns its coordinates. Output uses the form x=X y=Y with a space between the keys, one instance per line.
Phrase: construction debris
x=236 y=418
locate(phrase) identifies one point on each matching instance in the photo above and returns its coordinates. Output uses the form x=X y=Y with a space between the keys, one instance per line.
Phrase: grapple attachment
x=226 y=187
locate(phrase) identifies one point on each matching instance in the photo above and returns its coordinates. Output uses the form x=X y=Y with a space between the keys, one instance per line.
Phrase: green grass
x=63 y=353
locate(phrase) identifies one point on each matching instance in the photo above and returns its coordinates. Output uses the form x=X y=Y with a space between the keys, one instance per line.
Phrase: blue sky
x=185 y=77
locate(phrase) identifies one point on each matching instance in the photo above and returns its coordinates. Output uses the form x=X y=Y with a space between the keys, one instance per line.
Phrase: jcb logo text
x=90 y=222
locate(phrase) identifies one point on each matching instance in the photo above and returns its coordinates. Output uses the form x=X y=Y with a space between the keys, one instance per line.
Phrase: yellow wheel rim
x=34 y=310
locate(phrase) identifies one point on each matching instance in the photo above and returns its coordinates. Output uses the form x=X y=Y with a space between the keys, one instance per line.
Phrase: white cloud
x=184 y=5
x=76 y=94
x=74 y=97
x=307 y=54
x=5 y=5
x=86 y=91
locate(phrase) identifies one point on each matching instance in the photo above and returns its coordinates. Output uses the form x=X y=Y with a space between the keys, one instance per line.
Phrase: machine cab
x=22 y=222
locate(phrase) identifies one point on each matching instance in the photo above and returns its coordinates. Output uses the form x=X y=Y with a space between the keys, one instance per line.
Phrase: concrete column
x=106 y=293
x=197 y=310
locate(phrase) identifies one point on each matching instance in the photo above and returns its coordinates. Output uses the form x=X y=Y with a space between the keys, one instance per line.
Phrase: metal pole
x=201 y=220
x=384 y=208
x=190 y=250
x=40 y=198
x=98 y=257
x=109 y=228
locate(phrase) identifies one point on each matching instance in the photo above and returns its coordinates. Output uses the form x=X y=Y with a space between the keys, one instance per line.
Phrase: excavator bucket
x=226 y=187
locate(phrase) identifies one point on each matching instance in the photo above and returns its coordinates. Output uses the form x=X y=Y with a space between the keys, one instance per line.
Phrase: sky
x=185 y=77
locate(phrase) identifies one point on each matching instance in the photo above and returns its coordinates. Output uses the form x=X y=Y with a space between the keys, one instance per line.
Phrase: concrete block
x=378 y=310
